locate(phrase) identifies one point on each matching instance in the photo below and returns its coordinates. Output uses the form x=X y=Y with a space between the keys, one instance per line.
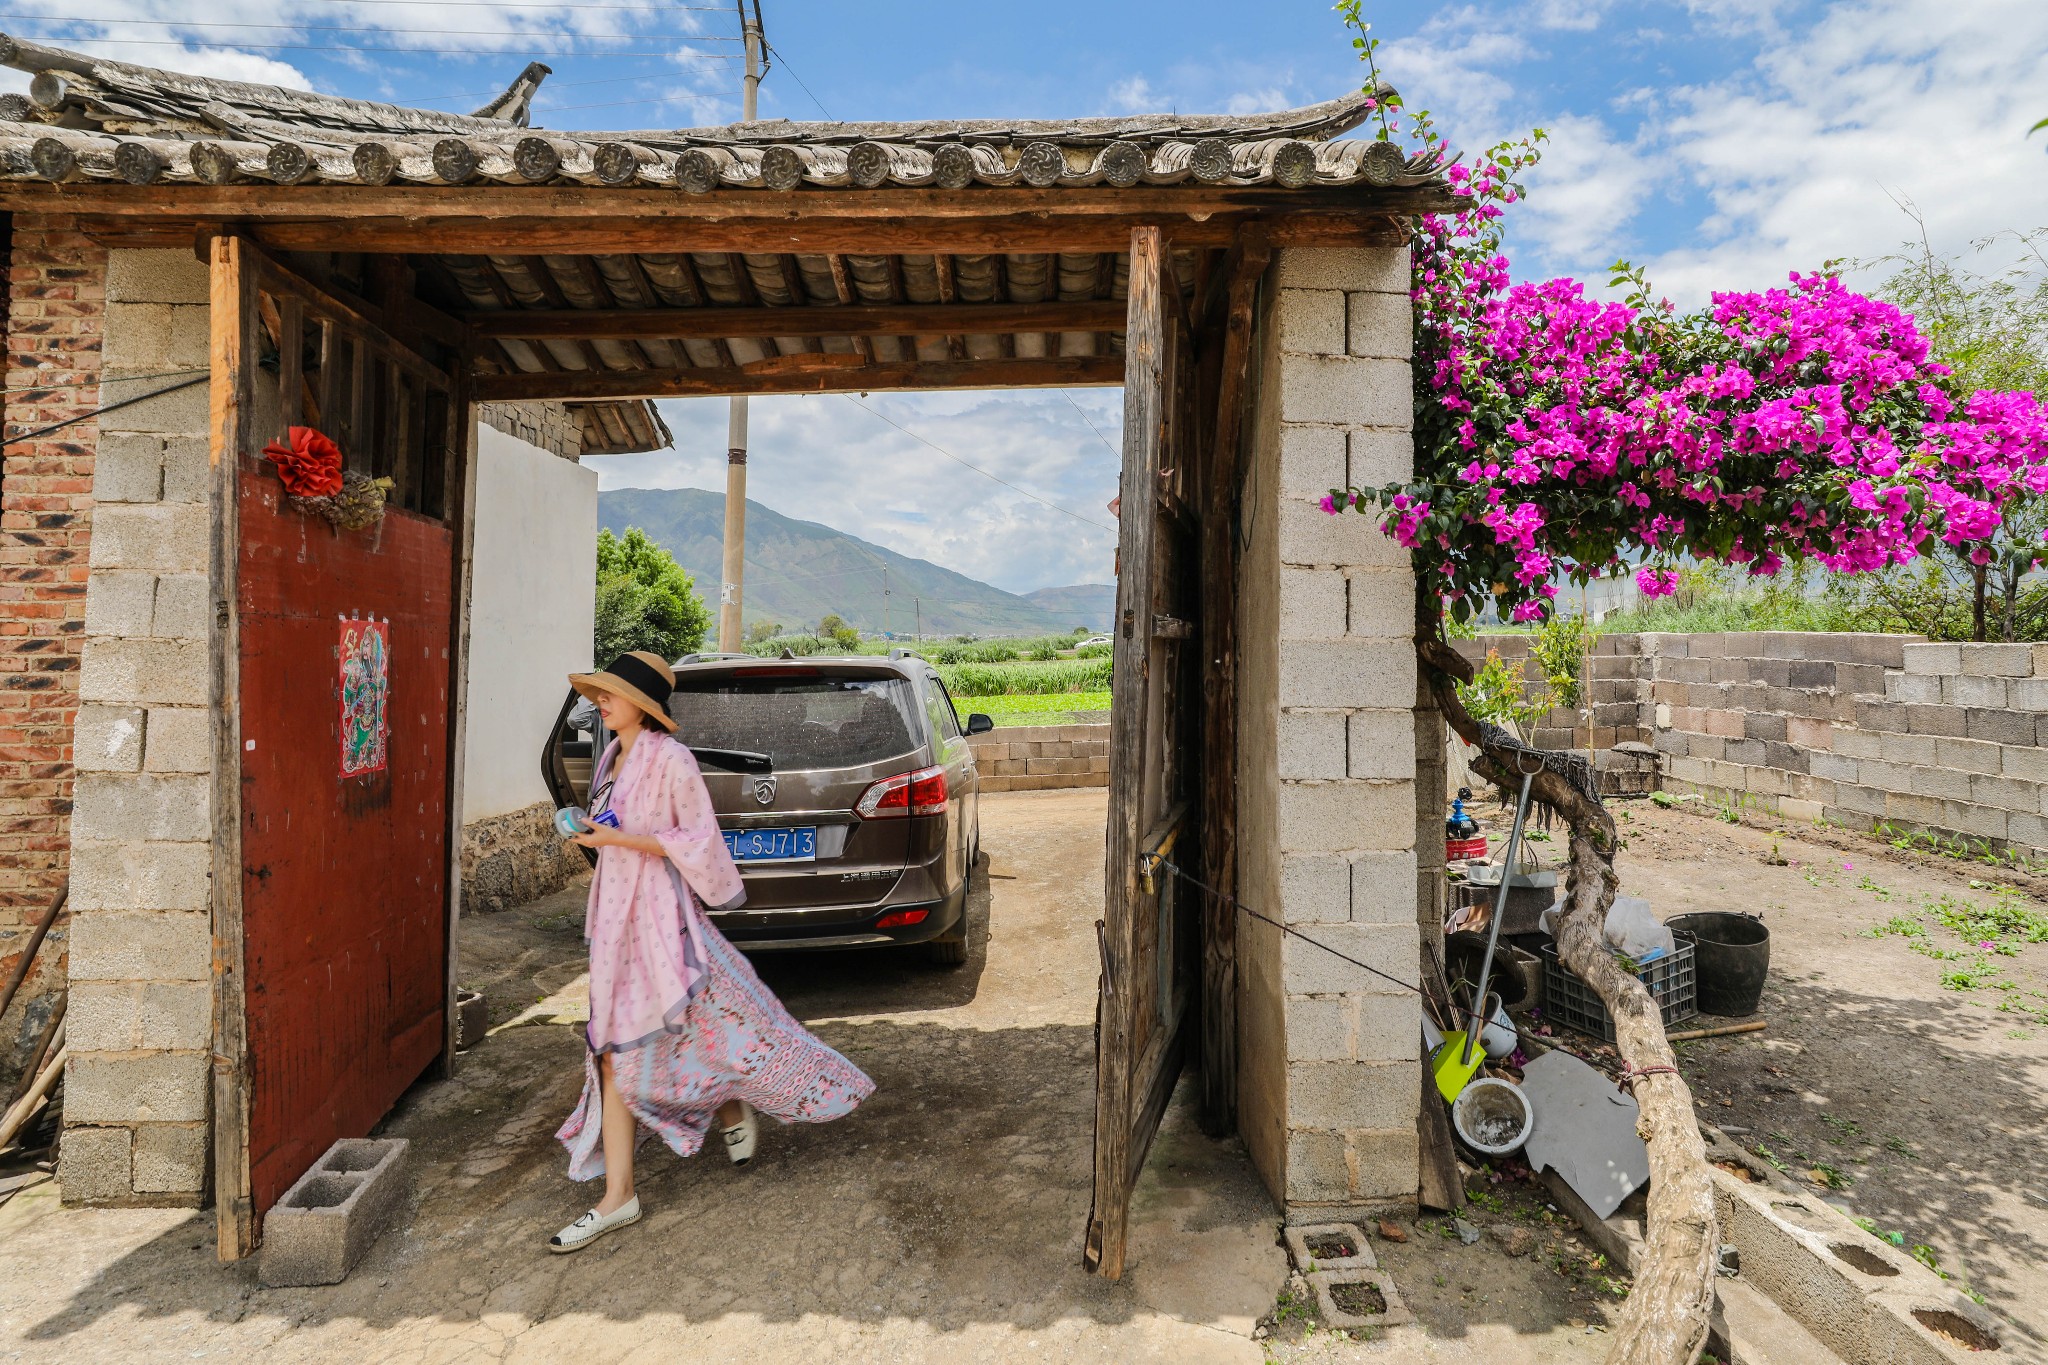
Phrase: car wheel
x=950 y=948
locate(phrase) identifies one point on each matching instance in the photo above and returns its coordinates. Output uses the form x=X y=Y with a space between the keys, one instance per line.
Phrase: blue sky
x=1720 y=142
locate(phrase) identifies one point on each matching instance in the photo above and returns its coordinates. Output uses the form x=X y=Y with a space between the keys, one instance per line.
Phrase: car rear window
x=800 y=720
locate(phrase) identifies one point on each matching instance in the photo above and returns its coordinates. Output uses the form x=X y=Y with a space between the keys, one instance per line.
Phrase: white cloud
x=1257 y=101
x=1583 y=194
x=823 y=459
x=1134 y=95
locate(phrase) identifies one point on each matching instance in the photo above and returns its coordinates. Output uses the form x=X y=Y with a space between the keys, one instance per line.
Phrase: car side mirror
x=978 y=724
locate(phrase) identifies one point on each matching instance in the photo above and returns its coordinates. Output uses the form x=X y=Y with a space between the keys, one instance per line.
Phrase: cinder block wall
x=1042 y=757
x=1616 y=688
x=1327 y=796
x=56 y=306
x=136 y=1093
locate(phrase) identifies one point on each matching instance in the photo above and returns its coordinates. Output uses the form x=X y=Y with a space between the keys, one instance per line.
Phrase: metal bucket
x=1731 y=959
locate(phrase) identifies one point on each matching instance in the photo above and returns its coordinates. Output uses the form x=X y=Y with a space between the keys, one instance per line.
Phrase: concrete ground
x=942 y=1221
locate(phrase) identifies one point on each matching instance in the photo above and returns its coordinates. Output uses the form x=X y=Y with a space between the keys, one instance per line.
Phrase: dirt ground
x=942 y=1221
x=1919 y=1106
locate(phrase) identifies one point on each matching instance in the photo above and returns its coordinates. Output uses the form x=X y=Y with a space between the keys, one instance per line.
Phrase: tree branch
x=1666 y=1316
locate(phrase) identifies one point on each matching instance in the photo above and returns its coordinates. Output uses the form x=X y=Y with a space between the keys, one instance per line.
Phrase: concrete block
x=183 y=607
x=1299 y=1236
x=2028 y=694
x=1310 y=321
x=1850 y=742
x=188 y=469
x=175 y=1016
x=172 y=276
x=1946 y=783
x=170 y=1158
x=1836 y=767
x=1912 y=687
x=119 y=604
x=1946 y=721
x=1383 y=887
x=165 y=537
x=114 y=946
x=1390 y=950
x=1387 y=1028
x=1381 y=325
x=1985 y=822
x=1347 y=673
x=182 y=412
x=1313 y=604
x=1382 y=603
x=107 y=739
x=1385 y=1165
x=1328 y=817
x=2024 y=828
x=1794 y=808
x=121 y=807
x=1317 y=1168
x=155 y=336
x=2024 y=761
x=1312 y=462
x=1920 y=810
x=1938 y=660
x=1345 y=390
x=180 y=740
x=1862 y=800
x=128 y=468
x=1309 y=535
x=100 y=1016
x=1319 y=1028
x=1969 y=690
x=144 y=670
x=1311 y=744
x=335 y=1212
x=94 y=1165
x=1907 y=749
x=2005 y=792
x=1381 y=457
x=1970 y=755
x=1809 y=733
x=168 y=1087
x=1997 y=660
x=2001 y=727
x=1371 y=269
x=140 y=876
x=1381 y=744
x=1351 y=1095
x=1315 y=888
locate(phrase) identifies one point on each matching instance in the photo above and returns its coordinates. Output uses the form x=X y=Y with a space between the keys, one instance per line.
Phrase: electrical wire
x=1229 y=899
x=799 y=80
x=105 y=380
x=414 y=51
x=1092 y=427
x=975 y=467
x=376 y=28
x=41 y=432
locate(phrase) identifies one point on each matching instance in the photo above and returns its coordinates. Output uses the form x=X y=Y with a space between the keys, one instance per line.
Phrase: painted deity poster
x=365 y=691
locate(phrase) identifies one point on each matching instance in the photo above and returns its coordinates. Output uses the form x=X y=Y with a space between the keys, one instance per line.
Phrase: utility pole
x=735 y=565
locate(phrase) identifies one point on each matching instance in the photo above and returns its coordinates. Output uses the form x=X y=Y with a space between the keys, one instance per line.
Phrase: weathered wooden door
x=336 y=670
x=1147 y=931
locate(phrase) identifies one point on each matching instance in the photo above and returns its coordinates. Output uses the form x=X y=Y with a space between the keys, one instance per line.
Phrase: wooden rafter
x=801 y=374
x=942 y=266
x=842 y=287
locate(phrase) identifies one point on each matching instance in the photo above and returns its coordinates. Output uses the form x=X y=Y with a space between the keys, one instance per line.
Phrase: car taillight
x=920 y=793
x=901 y=919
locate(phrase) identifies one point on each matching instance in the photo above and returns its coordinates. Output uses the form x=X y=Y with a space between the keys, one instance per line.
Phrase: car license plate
x=788 y=844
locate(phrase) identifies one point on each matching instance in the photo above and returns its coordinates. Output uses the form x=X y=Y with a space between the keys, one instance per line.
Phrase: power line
x=420 y=51
x=800 y=81
x=1092 y=427
x=975 y=467
x=376 y=28
x=535 y=4
x=105 y=381
x=40 y=432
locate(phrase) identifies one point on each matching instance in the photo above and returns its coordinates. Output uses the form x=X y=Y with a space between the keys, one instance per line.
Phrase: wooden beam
x=1296 y=226
x=808 y=374
x=866 y=319
x=842 y=288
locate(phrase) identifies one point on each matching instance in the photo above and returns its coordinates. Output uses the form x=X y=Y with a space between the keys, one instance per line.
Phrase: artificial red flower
x=310 y=467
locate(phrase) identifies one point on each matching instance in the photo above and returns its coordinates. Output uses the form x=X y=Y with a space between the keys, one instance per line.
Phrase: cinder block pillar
x=1328 y=794
x=140 y=1017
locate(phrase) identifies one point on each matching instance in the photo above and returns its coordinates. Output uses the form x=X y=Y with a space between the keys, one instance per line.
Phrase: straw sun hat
x=641 y=678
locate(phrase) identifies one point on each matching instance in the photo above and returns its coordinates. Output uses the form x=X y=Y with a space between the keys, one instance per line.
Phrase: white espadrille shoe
x=739 y=1139
x=594 y=1225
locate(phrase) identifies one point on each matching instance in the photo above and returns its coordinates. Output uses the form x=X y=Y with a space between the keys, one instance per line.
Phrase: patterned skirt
x=736 y=1042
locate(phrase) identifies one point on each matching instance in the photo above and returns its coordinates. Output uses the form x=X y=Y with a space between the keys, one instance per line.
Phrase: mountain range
x=798 y=571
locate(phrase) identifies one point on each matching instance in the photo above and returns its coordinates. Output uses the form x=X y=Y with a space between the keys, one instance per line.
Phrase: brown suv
x=845 y=787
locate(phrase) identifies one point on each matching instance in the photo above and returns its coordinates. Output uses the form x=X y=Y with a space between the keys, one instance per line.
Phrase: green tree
x=1991 y=329
x=833 y=627
x=763 y=630
x=645 y=600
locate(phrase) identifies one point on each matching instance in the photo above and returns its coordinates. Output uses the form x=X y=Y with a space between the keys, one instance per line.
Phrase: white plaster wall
x=530 y=614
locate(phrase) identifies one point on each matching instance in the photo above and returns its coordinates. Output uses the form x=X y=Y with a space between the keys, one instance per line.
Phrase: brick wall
x=1329 y=1099
x=139 y=1020
x=56 y=302
x=551 y=426
x=1042 y=757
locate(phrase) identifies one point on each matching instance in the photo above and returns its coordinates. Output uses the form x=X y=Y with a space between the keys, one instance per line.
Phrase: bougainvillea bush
x=1560 y=437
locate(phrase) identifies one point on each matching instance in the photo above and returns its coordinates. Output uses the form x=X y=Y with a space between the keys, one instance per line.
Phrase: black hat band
x=641 y=674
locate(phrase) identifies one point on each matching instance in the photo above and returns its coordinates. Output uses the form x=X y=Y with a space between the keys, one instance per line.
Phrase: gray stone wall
x=551 y=426
x=1330 y=746
x=1042 y=757
x=516 y=857
x=136 y=1094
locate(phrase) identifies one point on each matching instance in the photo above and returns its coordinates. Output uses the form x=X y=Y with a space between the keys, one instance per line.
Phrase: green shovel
x=1457 y=1060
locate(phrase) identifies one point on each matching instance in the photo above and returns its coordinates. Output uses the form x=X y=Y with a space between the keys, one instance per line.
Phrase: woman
x=680 y=1027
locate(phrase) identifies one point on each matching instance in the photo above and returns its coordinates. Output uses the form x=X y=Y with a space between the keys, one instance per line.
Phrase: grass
x=1025 y=679
x=1049 y=708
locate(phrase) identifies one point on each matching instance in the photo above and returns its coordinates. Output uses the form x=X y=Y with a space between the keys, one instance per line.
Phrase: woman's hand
x=605 y=837
x=597 y=836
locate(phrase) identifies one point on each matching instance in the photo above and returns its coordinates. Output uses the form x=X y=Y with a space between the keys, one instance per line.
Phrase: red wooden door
x=344 y=878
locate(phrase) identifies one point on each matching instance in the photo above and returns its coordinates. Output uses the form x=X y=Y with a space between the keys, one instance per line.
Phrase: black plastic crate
x=1571 y=1002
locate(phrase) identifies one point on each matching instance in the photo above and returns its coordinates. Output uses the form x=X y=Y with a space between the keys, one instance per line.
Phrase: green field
x=1046 y=708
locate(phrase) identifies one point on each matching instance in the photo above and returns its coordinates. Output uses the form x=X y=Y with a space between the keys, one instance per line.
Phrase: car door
x=962 y=775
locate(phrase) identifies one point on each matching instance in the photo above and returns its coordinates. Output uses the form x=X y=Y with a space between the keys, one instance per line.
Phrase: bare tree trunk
x=1665 y=1320
x=1977 y=602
